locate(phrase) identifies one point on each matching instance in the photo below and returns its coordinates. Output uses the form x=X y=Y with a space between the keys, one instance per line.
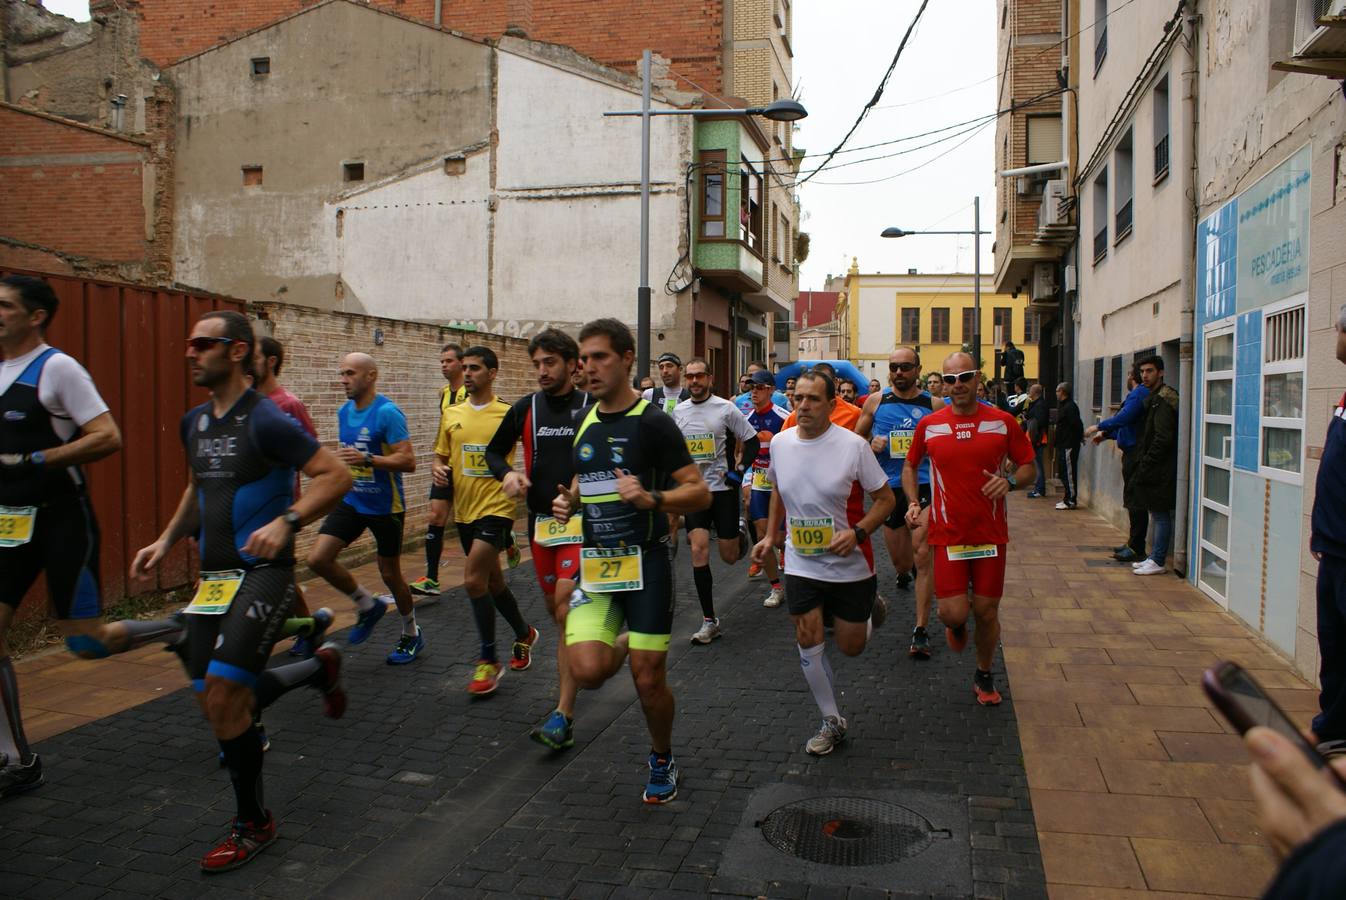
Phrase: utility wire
x=913 y=168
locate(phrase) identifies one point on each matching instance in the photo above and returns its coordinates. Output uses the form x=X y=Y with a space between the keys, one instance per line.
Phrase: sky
x=946 y=75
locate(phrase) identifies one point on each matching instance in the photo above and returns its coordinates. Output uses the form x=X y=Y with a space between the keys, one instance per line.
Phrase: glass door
x=1217 y=439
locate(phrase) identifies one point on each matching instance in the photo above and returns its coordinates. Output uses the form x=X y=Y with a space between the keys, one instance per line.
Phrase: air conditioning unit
x=1319 y=29
x=1071 y=284
x=1053 y=196
x=1043 y=288
x=1028 y=185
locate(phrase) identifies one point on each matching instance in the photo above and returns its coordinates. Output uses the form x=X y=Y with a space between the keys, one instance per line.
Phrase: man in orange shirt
x=843 y=414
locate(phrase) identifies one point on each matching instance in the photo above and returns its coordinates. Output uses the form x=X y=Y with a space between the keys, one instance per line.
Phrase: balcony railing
x=1100 y=48
x=1161 y=158
x=1101 y=244
x=1123 y=221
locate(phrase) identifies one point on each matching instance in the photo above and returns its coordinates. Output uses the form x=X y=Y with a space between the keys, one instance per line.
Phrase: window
x=786 y=248
x=261 y=66
x=1161 y=129
x=776 y=127
x=353 y=171
x=1044 y=139
x=1004 y=14
x=1098 y=384
x=1283 y=390
x=1101 y=216
x=969 y=326
x=750 y=206
x=939 y=325
x=1032 y=327
x=712 y=194
x=911 y=325
x=1002 y=324
x=252 y=176
x=780 y=331
x=1115 y=382
x=775 y=227
x=1122 y=191
x=1100 y=34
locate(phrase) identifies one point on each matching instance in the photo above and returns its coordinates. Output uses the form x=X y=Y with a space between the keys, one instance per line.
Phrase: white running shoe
x=1062 y=505
x=832 y=733
x=774 y=598
x=709 y=631
x=1148 y=568
x=1137 y=565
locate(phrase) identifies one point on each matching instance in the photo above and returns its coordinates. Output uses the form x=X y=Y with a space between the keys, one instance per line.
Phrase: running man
x=632 y=469
x=967 y=443
x=889 y=421
x=546 y=421
x=671 y=392
x=815 y=468
x=243 y=452
x=708 y=424
x=376 y=447
x=483 y=514
x=441 y=496
x=767 y=419
x=744 y=401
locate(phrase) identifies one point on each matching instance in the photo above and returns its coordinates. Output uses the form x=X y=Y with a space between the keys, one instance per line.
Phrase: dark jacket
x=1154 y=486
x=1329 y=502
x=1037 y=419
x=1012 y=363
x=1316 y=870
x=1069 y=426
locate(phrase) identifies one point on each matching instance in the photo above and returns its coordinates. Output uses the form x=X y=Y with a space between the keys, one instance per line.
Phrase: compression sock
x=139 y=633
x=13 y=743
x=704 y=582
x=272 y=684
x=483 y=612
x=296 y=626
x=509 y=608
x=409 y=624
x=752 y=531
x=434 y=548
x=362 y=598
x=818 y=674
x=243 y=759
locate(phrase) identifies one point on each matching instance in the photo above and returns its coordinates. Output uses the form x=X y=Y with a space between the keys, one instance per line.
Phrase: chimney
x=519 y=18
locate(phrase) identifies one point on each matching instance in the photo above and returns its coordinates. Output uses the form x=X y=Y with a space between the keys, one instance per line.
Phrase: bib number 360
x=606 y=571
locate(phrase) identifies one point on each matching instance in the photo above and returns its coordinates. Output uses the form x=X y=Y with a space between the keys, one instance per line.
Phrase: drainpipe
x=1186 y=404
x=439 y=13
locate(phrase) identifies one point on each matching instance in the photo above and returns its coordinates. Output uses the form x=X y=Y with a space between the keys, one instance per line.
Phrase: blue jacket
x=1122 y=426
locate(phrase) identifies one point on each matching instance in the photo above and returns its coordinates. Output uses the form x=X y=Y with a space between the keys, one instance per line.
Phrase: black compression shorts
x=897 y=518
x=346 y=524
x=850 y=601
x=494 y=530
x=441 y=493
x=237 y=644
x=65 y=546
x=721 y=517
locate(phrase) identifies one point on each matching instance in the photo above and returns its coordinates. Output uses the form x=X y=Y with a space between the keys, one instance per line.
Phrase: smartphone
x=1245 y=704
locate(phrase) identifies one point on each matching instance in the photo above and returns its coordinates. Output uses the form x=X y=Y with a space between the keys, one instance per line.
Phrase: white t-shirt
x=706 y=426
x=65 y=390
x=814 y=479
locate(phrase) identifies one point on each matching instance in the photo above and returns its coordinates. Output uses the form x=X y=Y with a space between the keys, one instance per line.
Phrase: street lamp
x=976 y=233
x=778 y=111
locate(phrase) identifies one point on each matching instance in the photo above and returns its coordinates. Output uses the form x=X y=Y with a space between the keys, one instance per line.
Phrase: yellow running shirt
x=464 y=432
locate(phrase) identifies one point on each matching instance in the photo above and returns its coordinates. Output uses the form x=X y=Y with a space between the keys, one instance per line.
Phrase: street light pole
x=976 y=281
x=643 y=291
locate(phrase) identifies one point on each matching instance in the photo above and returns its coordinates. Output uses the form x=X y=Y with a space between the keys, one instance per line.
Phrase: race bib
x=474 y=461
x=604 y=571
x=759 y=480
x=899 y=442
x=16 y=525
x=701 y=447
x=810 y=537
x=547 y=532
x=215 y=592
x=971 y=551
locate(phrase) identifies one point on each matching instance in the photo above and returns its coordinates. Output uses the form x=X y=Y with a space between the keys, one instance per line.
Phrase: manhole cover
x=847 y=831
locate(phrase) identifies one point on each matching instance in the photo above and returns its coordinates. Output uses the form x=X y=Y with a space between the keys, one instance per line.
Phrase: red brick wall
x=91 y=208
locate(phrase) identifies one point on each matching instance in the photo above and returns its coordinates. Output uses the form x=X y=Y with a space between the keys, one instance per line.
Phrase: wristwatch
x=658 y=497
x=369 y=458
x=860 y=534
x=293 y=519
x=37 y=458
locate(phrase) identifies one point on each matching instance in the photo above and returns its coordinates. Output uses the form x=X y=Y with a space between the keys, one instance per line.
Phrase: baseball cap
x=669 y=357
x=761 y=376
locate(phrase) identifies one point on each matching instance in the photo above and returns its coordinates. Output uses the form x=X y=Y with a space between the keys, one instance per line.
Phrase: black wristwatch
x=293 y=519
x=658 y=497
x=369 y=458
x=860 y=534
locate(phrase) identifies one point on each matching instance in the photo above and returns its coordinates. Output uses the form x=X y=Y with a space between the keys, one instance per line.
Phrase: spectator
x=1327 y=542
x=1122 y=427
x=1036 y=421
x=647 y=383
x=1012 y=361
x=874 y=386
x=934 y=383
x=1069 y=436
x=1019 y=397
x=1154 y=487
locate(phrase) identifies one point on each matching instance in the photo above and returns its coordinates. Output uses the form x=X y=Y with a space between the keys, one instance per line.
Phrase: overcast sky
x=946 y=75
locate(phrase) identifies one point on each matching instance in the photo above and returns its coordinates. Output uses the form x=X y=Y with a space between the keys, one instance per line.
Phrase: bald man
x=376 y=446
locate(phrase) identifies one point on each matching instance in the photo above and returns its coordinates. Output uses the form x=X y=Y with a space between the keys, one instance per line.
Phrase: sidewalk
x=1138 y=786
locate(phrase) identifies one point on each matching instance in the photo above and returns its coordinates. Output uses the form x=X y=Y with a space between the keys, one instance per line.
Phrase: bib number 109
x=811 y=537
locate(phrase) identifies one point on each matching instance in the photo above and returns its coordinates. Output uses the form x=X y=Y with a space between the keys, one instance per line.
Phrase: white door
x=1217 y=452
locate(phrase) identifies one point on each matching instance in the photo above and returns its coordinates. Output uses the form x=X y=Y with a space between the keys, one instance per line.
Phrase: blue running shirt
x=374 y=429
x=896 y=420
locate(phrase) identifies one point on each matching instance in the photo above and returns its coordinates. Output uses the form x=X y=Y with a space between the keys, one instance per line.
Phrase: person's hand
x=761 y=549
x=1091 y=431
x=1098 y=438
x=879 y=443
x=268 y=541
x=913 y=516
x=350 y=456
x=147 y=558
x=565 y=504
x=632 y=491
x=996 y=486
x=515 y=485
x=843 y=542
x=1294 y=800
x=440 y=474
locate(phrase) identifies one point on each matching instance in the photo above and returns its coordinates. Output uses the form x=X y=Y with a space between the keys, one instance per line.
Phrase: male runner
x=967 y=443
x=671 y=392
x=767 y=419
x=815 y=468
x=243 y=452
x=441 y=496
x=744 y=401
x=376 y=446
x=707 y=423
x=632 y=469
x=546 y=420
x=483 y=514
x=843 y=414
x=889 y=421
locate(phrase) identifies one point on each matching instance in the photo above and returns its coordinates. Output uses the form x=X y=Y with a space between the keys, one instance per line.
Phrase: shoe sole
x=827 y=752
x=242 y=862
x=987 y=699
x=24 y=788
x=705 y=641
x=658 y=801
x=493 y=687
x=547 y=742
x=424 y=592
x=408 y=661
x=918 y=653
x=955 y=644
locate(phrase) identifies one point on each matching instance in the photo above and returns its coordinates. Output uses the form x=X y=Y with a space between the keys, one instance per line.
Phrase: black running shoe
x=17 y=779
x=920 y=644
x=904 y=581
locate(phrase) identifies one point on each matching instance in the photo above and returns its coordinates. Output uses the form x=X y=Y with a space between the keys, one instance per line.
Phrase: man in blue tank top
x=889 y=421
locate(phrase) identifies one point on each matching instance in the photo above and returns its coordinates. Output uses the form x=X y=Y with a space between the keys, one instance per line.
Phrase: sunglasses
x=963 y=377
x=202 y=344
x=901 y=367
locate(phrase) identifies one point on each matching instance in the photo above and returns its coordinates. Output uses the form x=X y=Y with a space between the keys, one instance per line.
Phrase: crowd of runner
x=610 y=477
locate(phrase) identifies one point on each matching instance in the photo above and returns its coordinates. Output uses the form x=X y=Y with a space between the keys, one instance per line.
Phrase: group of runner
x=609 y=478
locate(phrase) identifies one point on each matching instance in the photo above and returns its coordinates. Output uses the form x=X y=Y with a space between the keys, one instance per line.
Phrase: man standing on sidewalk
x=815 y=468
x=1123 y=428
x=441 y=496
x=1155 y=485
x=1069 y=436
x=1036 y=422
x=1327 y=542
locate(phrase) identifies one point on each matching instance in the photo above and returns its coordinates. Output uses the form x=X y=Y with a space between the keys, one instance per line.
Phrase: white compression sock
x=409 y=624
x=362 y=598
x=818 y=674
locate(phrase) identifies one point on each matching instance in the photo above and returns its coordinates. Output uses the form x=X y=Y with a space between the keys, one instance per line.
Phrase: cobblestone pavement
x=422 y=791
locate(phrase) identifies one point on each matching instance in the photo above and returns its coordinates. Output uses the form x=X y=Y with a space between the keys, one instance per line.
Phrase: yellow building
x=933 y=313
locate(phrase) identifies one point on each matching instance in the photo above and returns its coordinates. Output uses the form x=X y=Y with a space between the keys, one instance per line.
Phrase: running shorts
x=647 y=613
x=986 y=576
x=552 y=564
x=494 y=530
x=759 y=505
x=237 y=644
x=346 y=524
x=721 y=516
x=441 y=493
x=65 y=546
x=898 y=518
x=850 y=601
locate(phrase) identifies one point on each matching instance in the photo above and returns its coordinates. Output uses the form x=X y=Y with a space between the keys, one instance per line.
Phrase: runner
x=626 y=454
x=967 y=443
x=483 y=514
x=441 y=496
x=671 y=392
x=768 y=419
x=243 y=453
x=889 y=421
x=744 y=401
x=376 y=446
x=815 y=468
x=708 y=423
x=843 y=414
x=546 y=421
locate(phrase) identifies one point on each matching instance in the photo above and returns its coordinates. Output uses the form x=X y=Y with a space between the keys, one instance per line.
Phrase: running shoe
x=1148 y=567
x=1061 y=504
x=425 y=586
x=512 y=555
x=329 y=681
x=904 y=581
x=485 y=678
x=709 y=631
x=365 y=622
x=663 y=785
x=245 y=841
x=774 y=598
x=305 y=644
x=1122 y=549
x=17 y=779
x=878 y=614
x=957 y=637
x=556 y=731
x=1126 y=554
x=829 y=736
x=754 y=571
x=1033 y=495
x=920 y=644
x=522 y=657
x=408 y=648
x=983 y=684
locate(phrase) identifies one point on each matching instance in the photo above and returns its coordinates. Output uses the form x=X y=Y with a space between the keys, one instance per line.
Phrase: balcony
x=1161 y=159
x=1100 y=49
x=1100 y=245
x=1123 y=222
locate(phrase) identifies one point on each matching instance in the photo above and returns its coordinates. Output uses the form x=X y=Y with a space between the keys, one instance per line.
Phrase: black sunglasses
x=901 y=367
x=202 y=344
x=964 y=377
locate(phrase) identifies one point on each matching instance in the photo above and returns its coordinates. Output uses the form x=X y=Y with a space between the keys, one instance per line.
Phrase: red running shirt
x=962 y=449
